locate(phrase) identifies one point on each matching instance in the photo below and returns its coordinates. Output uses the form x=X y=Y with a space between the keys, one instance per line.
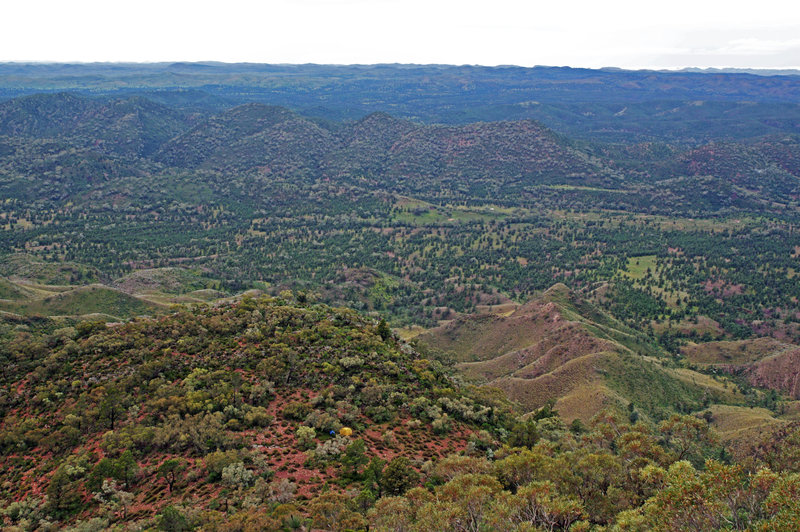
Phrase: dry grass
x=700 y=326
x=92 y=299
x=740 y=352
x=565 y=380
x=705 y=381
x=584 y=402
x=503 y=309
x=791 y=411
x=564 y=342
x=410 y=332
x=778 y=371
x=558 y=347
x=739 y=424
x=486 y=336
x=765 y=362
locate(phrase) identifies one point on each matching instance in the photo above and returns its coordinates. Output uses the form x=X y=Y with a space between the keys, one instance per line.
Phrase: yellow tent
x=346 y=431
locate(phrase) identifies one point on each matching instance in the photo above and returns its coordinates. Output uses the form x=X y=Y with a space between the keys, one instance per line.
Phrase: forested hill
x=256 y=412
x=72 y=142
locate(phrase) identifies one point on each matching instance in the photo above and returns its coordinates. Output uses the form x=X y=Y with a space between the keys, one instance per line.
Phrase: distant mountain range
x=605 y=104
x=755 y=71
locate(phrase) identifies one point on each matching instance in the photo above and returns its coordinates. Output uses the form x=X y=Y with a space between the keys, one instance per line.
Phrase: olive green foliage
x=614 y=474
x=162 y=405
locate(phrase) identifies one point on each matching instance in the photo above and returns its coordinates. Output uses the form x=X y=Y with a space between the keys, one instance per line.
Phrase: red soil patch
x=723 y=289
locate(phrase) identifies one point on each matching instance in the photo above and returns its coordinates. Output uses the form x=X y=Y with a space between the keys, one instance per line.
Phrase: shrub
x=172 y=520
x=237 y=476
x=398 y=476
x=217 y=461
x=323 y=421
x=442 y=425
x=258 y=417
x=296 y=410
x=305 y=437
x=331 y=449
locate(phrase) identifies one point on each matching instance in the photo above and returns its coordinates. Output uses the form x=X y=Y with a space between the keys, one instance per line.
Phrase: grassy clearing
x=577 y=374
x=664 y=223
x=410 y=332
x=700 y=326
x=34 y=270
x=723 y=388
x=502 y=309
x=637 y=266
x=13 y=291
x=590 y=189
x=654 y=390
x=417 y=212
x=584 y=402
x=700 y=224
x=173 y=281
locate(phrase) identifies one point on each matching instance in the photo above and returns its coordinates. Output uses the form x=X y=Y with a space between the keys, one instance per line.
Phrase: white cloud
x=595 y=33
x=755 y=46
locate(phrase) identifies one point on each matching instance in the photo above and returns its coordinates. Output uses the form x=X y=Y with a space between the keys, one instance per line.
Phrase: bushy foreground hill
x=270 y=415
x=260 y=390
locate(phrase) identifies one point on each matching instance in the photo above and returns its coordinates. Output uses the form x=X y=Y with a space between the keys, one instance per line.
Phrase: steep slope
x=560 y=348
x=762 y=362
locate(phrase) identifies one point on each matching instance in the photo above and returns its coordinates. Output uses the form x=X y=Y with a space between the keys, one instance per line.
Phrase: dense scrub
x=156 y=407
x=267 y=414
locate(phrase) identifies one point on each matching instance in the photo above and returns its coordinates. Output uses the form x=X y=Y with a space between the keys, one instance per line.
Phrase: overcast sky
x=622 y=33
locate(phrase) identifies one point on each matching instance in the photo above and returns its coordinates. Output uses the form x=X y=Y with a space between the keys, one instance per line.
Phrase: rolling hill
x=80 y=301
x=559 y=348
x=391 y=152
x=172 y=260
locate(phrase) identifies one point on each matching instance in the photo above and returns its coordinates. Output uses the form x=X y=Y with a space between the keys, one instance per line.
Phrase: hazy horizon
x=690 y=68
